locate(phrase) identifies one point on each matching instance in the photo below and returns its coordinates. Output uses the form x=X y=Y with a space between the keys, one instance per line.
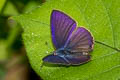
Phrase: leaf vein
x=111 y=24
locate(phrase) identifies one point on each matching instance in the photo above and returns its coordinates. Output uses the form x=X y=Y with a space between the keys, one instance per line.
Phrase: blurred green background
x=14 y=64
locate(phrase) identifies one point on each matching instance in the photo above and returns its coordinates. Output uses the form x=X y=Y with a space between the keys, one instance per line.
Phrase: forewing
x=72 y=59
x=80 y=41
x=61 y=28
x=54 y=59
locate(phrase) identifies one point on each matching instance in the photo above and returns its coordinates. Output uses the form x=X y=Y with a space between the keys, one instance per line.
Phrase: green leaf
x=10 y=9
x=100 y=17
x=30 y=6
x=2 y=72
x=3 y=52
x=2 y=4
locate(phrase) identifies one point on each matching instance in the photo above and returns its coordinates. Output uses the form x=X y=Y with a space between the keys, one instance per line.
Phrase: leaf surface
x=2 y=2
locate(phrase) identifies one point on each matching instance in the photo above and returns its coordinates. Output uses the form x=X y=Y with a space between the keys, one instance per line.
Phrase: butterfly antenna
x=41 y=66
x=108 y=46
x=47 y=44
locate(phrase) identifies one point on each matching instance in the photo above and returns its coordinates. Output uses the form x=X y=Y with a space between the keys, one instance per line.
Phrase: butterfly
x=72 y=44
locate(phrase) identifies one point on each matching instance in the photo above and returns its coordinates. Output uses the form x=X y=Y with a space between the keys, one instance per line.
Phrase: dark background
x=14 y=64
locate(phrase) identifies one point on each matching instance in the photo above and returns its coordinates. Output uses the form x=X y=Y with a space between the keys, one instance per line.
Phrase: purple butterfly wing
x=80 y=41
x=54 y=59
x=61 y=28
x=71 y=59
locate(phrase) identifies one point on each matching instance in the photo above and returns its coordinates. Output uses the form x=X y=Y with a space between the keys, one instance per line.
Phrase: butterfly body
x=73 y=44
